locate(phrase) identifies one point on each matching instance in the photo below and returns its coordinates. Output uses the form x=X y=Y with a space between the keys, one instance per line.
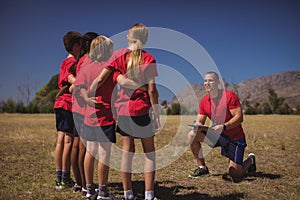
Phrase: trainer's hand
x=217 y=128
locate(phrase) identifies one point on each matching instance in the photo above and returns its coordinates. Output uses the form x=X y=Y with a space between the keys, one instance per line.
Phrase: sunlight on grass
x=27 y=163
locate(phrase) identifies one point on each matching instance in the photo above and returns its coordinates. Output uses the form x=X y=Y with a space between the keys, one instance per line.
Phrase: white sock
x=128 y=194
x=202 y=167
x=149 y=195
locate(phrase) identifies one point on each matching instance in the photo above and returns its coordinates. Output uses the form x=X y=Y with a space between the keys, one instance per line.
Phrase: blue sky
x=245 y=39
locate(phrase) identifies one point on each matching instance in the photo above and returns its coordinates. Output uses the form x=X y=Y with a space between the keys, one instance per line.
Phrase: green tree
x=20 y=108
x=44 y=99
x=285 y=109
x=9 y=106
x=266 y=109
x=175 y=109
x=251 y=111
x=298 y=109
x=274 y=100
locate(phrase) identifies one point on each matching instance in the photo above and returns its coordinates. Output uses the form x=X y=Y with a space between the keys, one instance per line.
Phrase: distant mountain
x=285 y=84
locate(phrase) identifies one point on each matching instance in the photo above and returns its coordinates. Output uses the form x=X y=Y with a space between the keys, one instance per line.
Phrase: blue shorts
x=135 y=126
x=78 y=124
x=232 y=149
x=99 y=133
x=64 y=120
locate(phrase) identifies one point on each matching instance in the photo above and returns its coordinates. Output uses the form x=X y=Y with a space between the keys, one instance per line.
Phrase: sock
x=149 y=195
x=65 y=176
x=128 y=194
x=58 y=175
x=89 y=188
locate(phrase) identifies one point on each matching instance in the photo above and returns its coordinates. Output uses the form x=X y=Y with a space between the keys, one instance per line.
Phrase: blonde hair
x=101 y=49
x=137 y=38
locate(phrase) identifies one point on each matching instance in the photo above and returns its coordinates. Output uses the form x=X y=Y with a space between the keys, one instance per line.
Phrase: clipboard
x=197 y=126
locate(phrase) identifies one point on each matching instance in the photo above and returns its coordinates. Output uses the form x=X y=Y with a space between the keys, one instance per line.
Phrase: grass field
x=27 y=163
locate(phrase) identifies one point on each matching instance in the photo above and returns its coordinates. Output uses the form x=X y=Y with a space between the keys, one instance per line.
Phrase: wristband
x=224 y=127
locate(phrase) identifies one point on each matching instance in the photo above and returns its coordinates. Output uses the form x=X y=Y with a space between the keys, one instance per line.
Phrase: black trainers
x=199 y=172
x=252 y=168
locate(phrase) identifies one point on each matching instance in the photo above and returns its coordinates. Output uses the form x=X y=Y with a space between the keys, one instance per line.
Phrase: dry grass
x=27 y=163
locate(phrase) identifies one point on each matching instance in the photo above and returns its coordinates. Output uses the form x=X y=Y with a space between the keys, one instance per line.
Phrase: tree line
x=44 y=99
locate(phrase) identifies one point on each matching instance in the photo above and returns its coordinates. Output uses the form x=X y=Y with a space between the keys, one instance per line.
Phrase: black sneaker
x=58 y=185
x=252 y=168
x=104 y=194
x=199 y=172
x=76 y=188
x=135 y=198
x=91 y=193
x=69 y=183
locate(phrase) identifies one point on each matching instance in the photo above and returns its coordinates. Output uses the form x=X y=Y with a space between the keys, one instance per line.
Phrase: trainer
x=223 y=108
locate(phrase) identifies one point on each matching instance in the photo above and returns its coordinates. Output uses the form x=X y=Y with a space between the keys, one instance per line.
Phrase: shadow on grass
x=267 y=175
x=166 y=193
x=226 y=177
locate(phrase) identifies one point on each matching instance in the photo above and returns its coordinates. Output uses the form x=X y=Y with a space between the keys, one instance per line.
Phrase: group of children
x=89 y=104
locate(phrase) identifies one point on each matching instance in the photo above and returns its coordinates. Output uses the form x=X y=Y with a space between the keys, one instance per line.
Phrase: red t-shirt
x=78 y=105
x=219 y=113
x=95 y=116
x=134 y=102
x=64 y=101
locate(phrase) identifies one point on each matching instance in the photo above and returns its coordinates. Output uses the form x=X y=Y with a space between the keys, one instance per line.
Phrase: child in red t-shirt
x=63 y=112
x=99 y=123
x=134 y=104
x=78 y=109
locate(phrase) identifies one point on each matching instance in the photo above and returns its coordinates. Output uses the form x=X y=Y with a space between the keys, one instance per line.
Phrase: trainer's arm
x=201 y=119
x=236 y=120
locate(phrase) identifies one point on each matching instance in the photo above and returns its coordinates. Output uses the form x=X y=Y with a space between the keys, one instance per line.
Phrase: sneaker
x=58 y=185
x=199 y=172
x=76 y=188
x=69 y=183
x=108 y=197
x=103 y=193
x=91 y=193
x=91 y=196
x=252 y=168
x=135 y=198
x=83 y=192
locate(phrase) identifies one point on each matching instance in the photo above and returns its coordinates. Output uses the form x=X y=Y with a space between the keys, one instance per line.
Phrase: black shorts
x=78 y=124
x=135 y=126
x=64 y=120
x=232 y=149
x=99 y=133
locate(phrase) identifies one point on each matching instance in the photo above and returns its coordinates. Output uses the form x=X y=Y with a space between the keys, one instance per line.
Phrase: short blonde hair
x=101 y=49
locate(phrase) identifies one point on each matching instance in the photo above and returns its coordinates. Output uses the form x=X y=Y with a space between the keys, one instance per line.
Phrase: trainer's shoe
x=76 y=188
x=69 y=183
x=252 y=168
x=58 y=185
x=199 y=172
